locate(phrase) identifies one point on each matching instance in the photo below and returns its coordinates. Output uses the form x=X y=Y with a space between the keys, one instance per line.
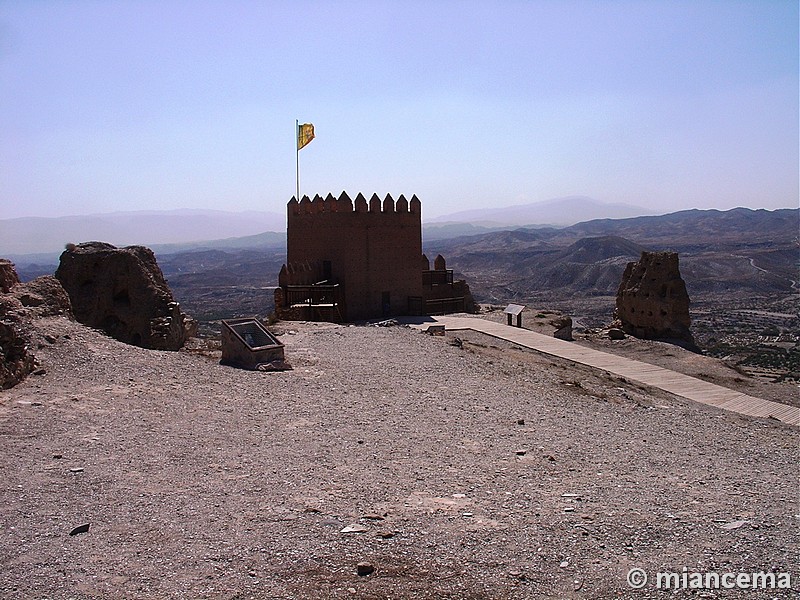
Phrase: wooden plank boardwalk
x=676 y=383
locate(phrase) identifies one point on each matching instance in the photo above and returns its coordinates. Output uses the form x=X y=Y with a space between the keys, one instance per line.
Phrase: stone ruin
x=8 y=276
x=122 y=291
x=20 y=304
x=652 y=301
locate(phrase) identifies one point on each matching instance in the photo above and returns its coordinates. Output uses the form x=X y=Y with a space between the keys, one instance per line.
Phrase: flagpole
x=297 y=154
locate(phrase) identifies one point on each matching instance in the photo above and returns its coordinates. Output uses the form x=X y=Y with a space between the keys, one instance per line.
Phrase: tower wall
x=372 y=247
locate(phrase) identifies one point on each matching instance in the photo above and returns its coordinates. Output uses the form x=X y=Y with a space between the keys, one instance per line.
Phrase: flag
x=305 y=133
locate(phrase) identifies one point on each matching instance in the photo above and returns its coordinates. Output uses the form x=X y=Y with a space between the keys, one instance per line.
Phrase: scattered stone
x=564 y=564
x=521 y=452
x=386 y=323
x=80 y=529
x=354 y=528
x=40 y=371
x=438 y=330
x=57 y=456
x=616 y=334
x=50 y=339
x=364 y=568
x=520 y=421
x=76 y=470
x=331 y=522
x=373 y=517
x=385 y=534
x=734 y=524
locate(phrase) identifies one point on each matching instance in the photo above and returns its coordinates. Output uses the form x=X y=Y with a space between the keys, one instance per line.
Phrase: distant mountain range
x=177 y=230
x=47 y=235
x=557 y=212
x=739 y=251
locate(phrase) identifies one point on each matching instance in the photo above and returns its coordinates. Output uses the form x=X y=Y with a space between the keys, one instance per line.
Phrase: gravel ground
x=457 y=467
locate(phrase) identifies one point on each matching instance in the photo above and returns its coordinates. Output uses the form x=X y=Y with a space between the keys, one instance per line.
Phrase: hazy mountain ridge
x=737 y=251
x=699 y=226
x=557 y=211
x=41 y=239
x=47 y=235
x=184 y=229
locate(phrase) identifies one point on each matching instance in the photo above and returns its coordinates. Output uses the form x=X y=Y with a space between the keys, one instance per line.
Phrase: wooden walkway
x=676 y=383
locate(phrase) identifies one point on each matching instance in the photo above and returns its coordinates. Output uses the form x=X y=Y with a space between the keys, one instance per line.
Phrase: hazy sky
x=121 y=105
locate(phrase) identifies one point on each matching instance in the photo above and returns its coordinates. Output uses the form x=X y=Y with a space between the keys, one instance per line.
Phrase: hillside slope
x=738 y=252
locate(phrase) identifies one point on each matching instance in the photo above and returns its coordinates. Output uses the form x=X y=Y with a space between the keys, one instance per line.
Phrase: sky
x=114 y=105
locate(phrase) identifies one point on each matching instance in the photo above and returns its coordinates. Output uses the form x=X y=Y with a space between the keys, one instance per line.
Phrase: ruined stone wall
x=123 y=292
x=8 y=276
x=20 y=305
x=373 y=247
x=652 y=301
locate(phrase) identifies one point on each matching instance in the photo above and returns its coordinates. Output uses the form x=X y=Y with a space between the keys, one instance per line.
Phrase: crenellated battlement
x=343 y=204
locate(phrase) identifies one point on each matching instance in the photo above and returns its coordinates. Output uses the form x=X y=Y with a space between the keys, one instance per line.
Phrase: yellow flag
x=305 y=133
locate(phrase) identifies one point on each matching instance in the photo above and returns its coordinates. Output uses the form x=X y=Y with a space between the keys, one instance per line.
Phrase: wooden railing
x=444 y=306
x=431 y=278
x=313 y=295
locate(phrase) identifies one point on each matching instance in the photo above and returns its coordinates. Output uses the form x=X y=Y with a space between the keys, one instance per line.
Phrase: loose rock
x=354 y=528
x=80 y=529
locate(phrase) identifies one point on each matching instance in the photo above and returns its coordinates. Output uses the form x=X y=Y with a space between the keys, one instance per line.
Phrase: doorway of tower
x=386 y=305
